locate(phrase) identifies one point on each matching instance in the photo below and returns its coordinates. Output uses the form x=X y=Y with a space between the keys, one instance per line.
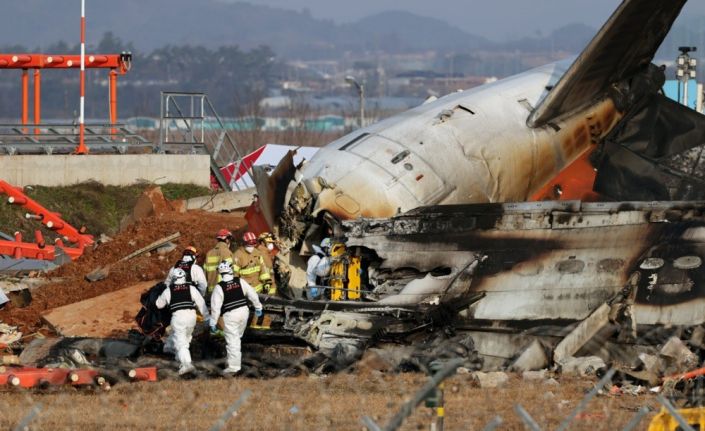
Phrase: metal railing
x=188 y=122
x=63 y=138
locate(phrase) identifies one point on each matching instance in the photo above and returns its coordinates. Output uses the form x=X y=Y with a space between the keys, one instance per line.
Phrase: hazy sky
x=495 y=19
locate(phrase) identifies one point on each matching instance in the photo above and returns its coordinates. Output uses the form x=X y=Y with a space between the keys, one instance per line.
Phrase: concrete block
x=582 y=333
x=108 y=169
x=495 y=379
x=227 y=201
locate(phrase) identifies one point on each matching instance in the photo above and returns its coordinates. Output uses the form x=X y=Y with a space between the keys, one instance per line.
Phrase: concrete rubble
x=493 y=379
x=582 y=366
x=677 y=356
x=9 y=335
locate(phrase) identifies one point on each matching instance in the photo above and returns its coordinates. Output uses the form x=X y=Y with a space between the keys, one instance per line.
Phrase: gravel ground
x=317 y=403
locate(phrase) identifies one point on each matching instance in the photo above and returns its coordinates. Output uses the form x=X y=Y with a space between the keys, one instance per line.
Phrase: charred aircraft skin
x=521 y=264
x=546 y=260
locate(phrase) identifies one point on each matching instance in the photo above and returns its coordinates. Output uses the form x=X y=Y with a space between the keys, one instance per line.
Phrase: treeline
x=234 y=79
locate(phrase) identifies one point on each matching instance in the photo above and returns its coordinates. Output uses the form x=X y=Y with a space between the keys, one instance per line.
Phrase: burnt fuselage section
x=544 y=260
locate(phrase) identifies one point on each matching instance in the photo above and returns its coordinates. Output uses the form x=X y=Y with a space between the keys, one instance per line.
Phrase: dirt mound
x=197 y=228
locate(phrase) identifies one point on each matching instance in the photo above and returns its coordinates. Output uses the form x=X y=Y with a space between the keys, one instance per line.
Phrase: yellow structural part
x=354 y=283
x=344 y=274
x=663 y=421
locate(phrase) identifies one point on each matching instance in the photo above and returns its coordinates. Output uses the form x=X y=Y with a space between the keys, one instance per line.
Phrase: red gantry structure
x=119 y=64
x=39 y=249
x=39 y=378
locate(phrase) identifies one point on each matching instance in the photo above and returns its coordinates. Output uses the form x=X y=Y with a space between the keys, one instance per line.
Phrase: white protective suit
x=198 y=277
x=182 y=324
x=316 y=267
x=234 y=322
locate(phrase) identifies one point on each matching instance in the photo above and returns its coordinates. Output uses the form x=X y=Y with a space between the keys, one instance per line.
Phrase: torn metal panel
x=271 y=189
x=9 y=265
x=577 y=338
x=655 y=153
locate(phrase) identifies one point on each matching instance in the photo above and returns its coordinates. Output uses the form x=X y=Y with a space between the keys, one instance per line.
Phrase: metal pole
x=37 y=99
x=161 y=122
x=362 y=105
x=685 y=89
x=494 y=423
x=230 y=412
x=113 y=101
x=166 y=102
x=370 y=424
x=526 y=417
x=440 y=410
x=603 y=381
x=33 y=412
x=81 y=149
x=25 y=98
x=673 y=412
x=408 y=408
x=193 y=116
x=636 y=419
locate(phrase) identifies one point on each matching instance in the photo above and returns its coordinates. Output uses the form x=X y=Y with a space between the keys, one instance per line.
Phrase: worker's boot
x=186 y=369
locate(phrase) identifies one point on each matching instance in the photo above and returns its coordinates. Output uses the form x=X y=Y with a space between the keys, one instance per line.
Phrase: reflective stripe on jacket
x=221 y=252
x=252 y=268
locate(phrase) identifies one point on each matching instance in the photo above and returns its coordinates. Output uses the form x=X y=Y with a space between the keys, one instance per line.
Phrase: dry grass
x=314 y=403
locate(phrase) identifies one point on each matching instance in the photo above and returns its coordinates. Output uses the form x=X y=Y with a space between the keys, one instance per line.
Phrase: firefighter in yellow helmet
x=221 y=252
x=267 y=246
x=250 y=265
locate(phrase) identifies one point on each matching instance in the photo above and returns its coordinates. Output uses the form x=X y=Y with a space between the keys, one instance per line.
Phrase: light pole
x=361 y=91
x=685 y=69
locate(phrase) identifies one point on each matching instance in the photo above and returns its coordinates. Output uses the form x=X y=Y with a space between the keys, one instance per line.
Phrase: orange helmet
x=224 y=234
x=191 y=250
x=249 y=238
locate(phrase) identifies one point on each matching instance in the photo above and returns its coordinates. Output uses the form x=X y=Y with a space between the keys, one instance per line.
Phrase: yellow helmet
x=265 y=237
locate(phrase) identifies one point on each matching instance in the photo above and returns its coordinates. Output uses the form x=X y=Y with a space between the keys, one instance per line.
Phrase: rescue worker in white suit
x=194 y=272
x=230 y=297
x=194 y=275
x=318 y=268
x=183 y=299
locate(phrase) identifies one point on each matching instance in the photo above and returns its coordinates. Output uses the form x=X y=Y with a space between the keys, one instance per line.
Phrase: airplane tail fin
x=625 y=44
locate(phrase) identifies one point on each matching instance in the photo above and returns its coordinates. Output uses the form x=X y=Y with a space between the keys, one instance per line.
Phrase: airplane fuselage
x=467 y=147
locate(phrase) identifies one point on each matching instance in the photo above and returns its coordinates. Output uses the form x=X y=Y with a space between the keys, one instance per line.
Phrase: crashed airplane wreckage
x=416 y=201
x=532 y=268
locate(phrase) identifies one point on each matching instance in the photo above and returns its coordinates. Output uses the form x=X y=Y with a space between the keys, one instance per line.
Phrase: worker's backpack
x=152 y=320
